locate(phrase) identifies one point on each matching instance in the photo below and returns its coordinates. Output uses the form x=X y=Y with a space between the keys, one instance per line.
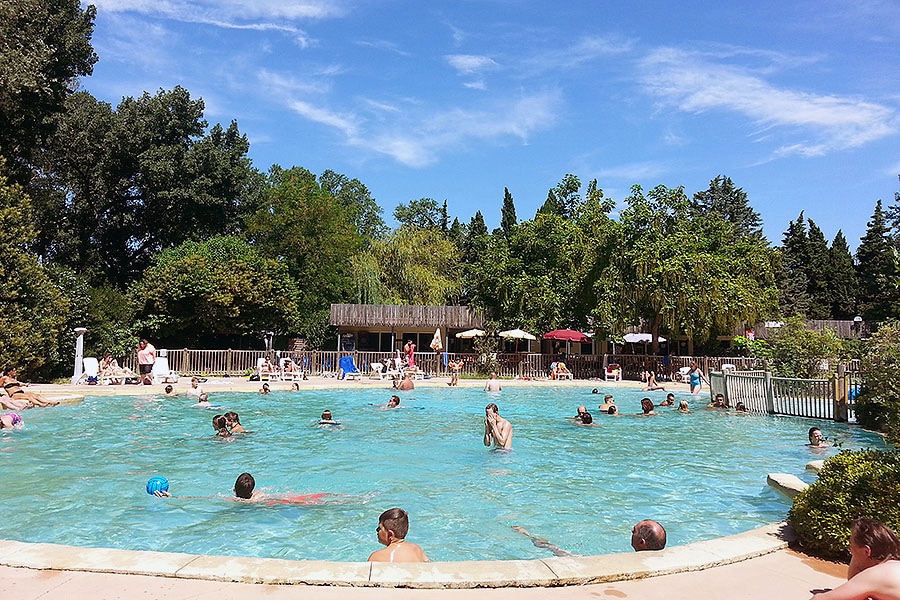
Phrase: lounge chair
x=348 y=368
x=266 y=370
x=563 y=372
x=613 y=372
x=91 y=374
x=378 y=371
x=683 y=375
x=161 y=372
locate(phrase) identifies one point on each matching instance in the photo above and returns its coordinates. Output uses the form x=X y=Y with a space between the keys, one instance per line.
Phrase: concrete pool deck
x=753 y=564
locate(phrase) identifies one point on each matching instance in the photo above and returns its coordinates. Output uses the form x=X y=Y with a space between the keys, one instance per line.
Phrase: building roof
x=391 y=315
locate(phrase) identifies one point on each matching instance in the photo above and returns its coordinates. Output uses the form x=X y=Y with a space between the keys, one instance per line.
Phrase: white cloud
x=641 y=171
x=695 y=84
x=470 y=64
x=285 y=87
x=346 y=124
x=585 y=50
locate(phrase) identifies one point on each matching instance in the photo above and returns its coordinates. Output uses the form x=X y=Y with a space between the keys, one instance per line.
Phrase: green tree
x=508 y=219
x=793 y=284
x=680 y=275
x=45 y=45
x=731 y=203
x=423 y=213
x=220 y=286
x=119 y=186
x=877 y=269
x=302 y=227
x=818 y=277
x=354 y=196
x=842 y=279
x=802 y=352
x=878 y=407
x=33 y=309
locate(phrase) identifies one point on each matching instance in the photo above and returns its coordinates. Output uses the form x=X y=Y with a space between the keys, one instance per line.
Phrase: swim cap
x=157 y=484
x=16 y=419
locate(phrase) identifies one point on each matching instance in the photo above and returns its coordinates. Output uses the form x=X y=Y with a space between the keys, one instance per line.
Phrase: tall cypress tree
x=818 y=279
x=731 y=204
x=791 y=277
x=876 y=268
x=508 y=219
x=842 y=279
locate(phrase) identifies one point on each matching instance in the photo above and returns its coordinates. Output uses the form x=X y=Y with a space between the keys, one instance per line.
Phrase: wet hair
x=394 y=398
x=654 y=537
x=295 y=387
x=612 y=410
x=586 y=418
x=740 y=407
x=326 y=415
x=204 y=397
x=233 y=417
x=646 y=405
x=243 y=486
x=683 y=405
x=168 y=388
x=396 y=520
x=607 y=397
x=595 y=391
x=492 y=407
x=880 y=538
x=218 y=422
x=811 y=431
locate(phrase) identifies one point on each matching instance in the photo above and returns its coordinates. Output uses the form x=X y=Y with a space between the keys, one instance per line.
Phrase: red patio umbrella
x=567 y=335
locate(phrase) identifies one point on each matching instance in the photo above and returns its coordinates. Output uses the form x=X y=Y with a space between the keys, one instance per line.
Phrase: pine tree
x=818 y=279
x=731 y=204
x=842 y=279
x=552 y=206
x=508 y=214
x=876 y=268
x=791 y=277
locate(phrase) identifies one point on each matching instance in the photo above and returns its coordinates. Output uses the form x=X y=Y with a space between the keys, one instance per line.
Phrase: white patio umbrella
x=470 y=333
x=436 y=344
x=516 y=334
x=641 y=338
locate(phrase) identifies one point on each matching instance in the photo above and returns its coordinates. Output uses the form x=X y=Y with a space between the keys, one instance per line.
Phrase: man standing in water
x=497 y=430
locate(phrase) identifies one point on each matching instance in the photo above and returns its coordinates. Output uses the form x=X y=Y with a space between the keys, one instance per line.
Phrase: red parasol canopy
x=567 y=335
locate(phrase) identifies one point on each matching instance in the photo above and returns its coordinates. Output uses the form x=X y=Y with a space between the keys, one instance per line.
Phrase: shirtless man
x=648 y=535
x=393 y=526
x=497 y=430
x=18 y=397
x=607 y=402
x=406 y=384
x=493 y=384
x=874 y=570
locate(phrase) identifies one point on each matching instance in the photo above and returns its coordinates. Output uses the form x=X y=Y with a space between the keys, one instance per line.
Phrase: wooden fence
x=760 y=392
x=237 y=363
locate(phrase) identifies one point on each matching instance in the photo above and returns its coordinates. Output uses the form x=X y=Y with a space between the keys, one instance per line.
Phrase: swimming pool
x=76 y=474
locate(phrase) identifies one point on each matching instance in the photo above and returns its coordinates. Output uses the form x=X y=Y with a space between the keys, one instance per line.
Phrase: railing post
x=229 y=361
x=841 y=386
x=770 y=392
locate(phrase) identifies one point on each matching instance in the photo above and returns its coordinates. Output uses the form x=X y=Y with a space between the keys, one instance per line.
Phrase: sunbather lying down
x=110 y=369
x=18 y=398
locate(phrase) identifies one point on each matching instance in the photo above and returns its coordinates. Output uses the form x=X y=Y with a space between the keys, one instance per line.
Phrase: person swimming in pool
x=265 y=389
x=497 y=430
x=393 y=525
x=170 y=391
x=647 y=408
x=233 y=422
x=683 y=407
x=648 y=535
x=327 y=418
x=10 y=421
x=18 y=398
x=220 y=424
x=669 y=401
x=607 y=402
x=244 y=492
x=816 y=439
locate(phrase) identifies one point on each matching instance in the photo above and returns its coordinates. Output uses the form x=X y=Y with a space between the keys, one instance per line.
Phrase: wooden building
x=386 y=327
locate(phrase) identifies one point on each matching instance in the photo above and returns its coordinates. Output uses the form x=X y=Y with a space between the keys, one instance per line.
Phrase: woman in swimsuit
x=696 y=377
x=19 y=398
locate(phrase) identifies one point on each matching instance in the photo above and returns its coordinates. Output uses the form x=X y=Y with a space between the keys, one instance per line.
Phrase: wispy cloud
x=470 y=64
x=694 y=83
x=640 y=171
x=584 y=50
x=383 y=45
x=345 y=123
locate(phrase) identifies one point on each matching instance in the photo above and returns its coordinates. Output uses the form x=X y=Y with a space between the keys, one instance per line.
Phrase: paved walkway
x=781 y=575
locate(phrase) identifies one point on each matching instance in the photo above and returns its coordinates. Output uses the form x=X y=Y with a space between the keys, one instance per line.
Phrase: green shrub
x=853 y=484
x=878 y=407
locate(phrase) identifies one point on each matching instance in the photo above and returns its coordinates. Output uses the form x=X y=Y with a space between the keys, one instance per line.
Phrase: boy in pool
x=393 y=525
x=243 y=490
x=327 y=419
x=170 y=391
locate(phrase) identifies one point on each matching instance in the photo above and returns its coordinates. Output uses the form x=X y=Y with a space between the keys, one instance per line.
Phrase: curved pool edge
x=547 y=572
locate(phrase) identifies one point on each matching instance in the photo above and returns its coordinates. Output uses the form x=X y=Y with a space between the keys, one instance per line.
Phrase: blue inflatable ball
x=157 y=484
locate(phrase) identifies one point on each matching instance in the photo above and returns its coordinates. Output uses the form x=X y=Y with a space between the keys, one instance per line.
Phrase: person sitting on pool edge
x=393 y=525
x=652 y=384
x=406 y=384
x=18 y=397
x=648 y=535
x=874 y=570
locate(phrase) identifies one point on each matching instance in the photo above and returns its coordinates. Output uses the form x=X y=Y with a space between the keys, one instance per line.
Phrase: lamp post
x=857 y=324
x=79 y=354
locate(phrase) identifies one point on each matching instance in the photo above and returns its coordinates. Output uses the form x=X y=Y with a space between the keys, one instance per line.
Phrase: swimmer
x=613 y=410
x=295 y=387
x=11 y=420
x=195 y=391
x=669 y=401
x=264 y=389
x=874 y=570
x=170 y=391
x=683 y=407
x=18 y=398
x=647 y=407
x=493 y=384
x=718 y=402
x=233 y=422
x=394 y=402
x=497 y=430
x=328 y=420
x=739 y=407
x=580 y=411
x=203 y=400
x=393 y=525
x=648 y=535
x=406 y=384
x=595 y=391
x=816 y=439
x=607 y=402
x=221 y=426
x=586 y=419
x=244 y=492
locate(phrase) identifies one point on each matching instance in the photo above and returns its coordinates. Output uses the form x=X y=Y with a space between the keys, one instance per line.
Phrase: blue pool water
x=76 y=474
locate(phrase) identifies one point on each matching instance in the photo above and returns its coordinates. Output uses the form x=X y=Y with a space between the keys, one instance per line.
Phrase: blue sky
x=798 y=102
